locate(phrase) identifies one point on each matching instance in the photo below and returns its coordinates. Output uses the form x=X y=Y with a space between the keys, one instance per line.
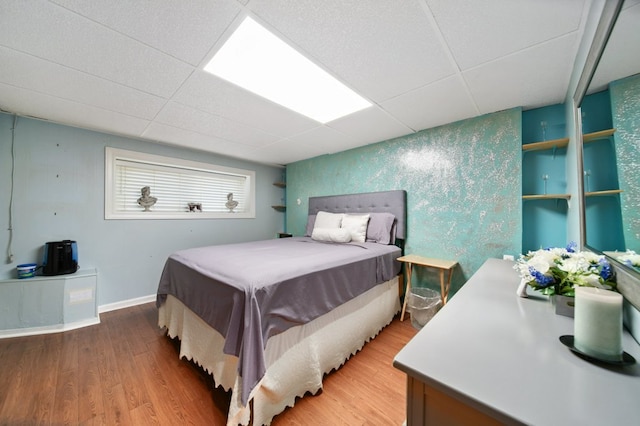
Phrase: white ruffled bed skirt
x=296 y=360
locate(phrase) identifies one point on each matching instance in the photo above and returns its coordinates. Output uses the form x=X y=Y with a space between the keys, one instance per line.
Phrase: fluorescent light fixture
x=256 y=60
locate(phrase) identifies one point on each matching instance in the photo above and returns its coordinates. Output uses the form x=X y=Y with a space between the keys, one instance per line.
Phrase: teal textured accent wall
x=463 y=184
x=625 y=101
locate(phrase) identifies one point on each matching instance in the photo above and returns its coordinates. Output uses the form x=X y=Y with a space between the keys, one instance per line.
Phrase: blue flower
x=541 y=279
x=605 y=271
x=571 y=247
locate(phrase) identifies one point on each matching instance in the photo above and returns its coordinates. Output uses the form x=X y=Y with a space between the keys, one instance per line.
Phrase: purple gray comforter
x=249 y=292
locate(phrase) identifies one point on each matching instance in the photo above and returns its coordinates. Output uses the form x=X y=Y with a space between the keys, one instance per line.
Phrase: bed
x=268 y=319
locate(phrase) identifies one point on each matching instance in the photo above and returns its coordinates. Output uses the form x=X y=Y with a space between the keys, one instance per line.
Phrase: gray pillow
x=311 y=221
x=381 y=228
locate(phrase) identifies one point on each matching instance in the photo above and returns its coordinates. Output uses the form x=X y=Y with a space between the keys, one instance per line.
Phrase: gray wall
x=59 y=194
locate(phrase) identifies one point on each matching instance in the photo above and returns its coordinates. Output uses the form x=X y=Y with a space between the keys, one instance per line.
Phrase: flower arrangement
x=559 y=270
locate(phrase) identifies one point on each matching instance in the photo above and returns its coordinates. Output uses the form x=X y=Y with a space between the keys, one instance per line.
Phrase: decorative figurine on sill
x=195 y=207
x=231 y=203
x=146 y=200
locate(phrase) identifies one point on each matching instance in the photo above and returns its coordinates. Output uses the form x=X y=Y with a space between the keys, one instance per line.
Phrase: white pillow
x=328 y=220
x=356 y=225
x=333 y=235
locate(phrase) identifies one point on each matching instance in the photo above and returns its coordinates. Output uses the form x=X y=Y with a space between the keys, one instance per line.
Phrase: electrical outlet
x=79 y=296
x=508 y=257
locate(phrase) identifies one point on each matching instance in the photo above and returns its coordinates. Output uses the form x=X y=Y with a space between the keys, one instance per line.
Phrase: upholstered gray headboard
x=394 y=202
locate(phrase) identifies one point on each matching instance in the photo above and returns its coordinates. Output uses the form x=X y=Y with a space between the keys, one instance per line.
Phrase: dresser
x=490 y=357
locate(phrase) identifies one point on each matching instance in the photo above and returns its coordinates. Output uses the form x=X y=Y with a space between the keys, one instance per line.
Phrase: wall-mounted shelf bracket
x=568 y=203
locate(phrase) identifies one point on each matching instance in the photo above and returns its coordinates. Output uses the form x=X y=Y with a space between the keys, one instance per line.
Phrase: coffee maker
x=60 y=257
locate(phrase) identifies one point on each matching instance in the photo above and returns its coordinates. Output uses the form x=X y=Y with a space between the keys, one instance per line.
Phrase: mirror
x=610 y=113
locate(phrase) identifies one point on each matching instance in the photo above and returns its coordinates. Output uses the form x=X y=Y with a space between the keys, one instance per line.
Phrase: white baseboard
x=48 y=329
x=57 y=328
x=126 y=303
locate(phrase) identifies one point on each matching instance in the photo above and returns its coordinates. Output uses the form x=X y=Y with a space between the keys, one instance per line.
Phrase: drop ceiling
x=134 y=68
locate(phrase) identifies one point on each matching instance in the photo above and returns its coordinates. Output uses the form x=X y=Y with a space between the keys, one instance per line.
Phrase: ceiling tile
x=444 y=101
x=50 y=32
x=480 y=31
x=184 y=117
x=183 y=29
x=319 y=141
x=380 y=49
x=535 y=77
x=38 y=105
x=42 y=76
x=186 y=138
x=206 y=92
x=285 y=152
x=369 y=126
x=322 y=140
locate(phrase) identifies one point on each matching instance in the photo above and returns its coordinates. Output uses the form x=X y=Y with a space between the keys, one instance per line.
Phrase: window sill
x=178 y=215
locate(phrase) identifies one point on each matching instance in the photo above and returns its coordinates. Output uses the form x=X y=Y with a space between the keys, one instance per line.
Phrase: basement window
x=146 y=186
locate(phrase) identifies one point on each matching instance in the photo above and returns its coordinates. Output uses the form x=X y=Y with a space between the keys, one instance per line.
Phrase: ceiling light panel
x=256 y=60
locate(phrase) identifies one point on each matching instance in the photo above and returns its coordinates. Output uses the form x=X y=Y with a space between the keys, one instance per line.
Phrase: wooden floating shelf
x=280 y=208
x=602 y=193
x=547 y=197
x=557 y=143
x=590 y=137
x=280 y=184
x=563 y=142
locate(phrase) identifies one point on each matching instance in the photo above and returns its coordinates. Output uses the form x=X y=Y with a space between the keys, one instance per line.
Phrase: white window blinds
x=180 y=189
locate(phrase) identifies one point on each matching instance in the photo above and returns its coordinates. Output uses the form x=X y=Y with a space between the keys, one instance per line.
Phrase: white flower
x=571 y=264
x=589 y=280
x=576 y=263
x=591 y=257
x=630 y=258
x=542 y=260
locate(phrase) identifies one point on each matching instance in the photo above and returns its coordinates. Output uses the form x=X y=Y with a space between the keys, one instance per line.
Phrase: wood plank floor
x=126 y=371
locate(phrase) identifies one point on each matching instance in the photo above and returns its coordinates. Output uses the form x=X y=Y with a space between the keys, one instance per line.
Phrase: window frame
x=113 y=155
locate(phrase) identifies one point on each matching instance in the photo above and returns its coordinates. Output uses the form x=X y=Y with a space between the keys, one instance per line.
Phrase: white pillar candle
x=598 y=323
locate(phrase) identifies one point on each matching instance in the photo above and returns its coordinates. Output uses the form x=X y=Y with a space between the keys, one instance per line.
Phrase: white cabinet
x=45 y=304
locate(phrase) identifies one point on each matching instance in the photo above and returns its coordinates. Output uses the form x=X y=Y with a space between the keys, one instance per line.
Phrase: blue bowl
x=26 y=270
